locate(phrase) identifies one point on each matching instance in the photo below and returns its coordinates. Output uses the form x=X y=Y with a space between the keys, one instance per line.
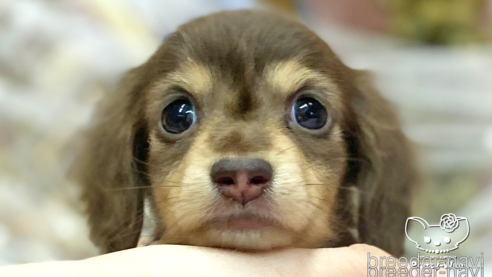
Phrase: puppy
x=245 y=131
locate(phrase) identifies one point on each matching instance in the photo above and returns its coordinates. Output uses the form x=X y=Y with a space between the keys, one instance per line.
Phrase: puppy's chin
x=249 y=231
x=249 y=239
x=246 y=231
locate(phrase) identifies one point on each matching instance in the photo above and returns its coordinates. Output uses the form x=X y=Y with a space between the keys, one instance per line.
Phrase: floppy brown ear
x=381 y=167
x=107 y=167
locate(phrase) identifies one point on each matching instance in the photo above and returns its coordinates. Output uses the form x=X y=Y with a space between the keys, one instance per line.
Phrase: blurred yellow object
x=284 y=5
x=129 y=29
x=438 y=21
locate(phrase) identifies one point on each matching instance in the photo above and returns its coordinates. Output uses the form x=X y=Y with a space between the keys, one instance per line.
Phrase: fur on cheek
x=302 y=194
x=184 y=200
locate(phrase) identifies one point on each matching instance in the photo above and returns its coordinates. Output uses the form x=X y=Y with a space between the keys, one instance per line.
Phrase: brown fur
x=349 y=183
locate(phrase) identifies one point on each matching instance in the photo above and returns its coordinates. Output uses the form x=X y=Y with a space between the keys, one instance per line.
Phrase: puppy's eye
x=178 y=116
x=309 y=113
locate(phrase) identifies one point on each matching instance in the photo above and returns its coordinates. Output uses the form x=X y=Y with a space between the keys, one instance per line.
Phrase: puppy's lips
x=246 y=222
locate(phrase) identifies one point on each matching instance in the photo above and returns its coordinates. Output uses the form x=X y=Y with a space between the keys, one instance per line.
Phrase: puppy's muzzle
x=242 y=180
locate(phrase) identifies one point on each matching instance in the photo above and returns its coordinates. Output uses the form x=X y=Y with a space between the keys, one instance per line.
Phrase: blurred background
x=431 y=58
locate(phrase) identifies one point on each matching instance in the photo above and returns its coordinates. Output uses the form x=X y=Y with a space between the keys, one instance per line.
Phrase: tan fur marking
x=193 y=77
x=289 y=76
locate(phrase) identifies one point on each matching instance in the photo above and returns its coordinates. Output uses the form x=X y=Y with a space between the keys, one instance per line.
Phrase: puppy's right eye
x=309 y=113
x=178 y=116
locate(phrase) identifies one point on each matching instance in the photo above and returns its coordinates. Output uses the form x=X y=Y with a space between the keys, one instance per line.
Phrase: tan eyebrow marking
x=289 y=76
x=193 y=77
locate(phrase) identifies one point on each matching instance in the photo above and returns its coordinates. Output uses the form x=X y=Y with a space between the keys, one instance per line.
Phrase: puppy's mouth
x=243 y=222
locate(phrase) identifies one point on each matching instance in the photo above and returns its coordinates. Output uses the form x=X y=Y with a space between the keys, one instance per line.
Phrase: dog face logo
x=440 y=238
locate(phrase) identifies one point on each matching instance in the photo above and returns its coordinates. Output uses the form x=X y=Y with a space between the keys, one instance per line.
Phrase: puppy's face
x=244 y=131
x=246 y=147
x=252 y=162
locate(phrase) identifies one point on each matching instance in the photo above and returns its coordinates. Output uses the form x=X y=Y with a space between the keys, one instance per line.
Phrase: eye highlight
x=309 y=113
x=178 y=116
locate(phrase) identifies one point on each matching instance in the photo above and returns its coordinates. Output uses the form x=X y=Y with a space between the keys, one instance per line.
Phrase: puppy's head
x=245 y=131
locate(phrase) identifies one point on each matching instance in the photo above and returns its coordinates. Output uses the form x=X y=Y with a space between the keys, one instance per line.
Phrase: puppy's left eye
x=178 y=116
x=309 y=113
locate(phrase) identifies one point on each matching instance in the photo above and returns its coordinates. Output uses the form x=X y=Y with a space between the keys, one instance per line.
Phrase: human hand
x=177 y=260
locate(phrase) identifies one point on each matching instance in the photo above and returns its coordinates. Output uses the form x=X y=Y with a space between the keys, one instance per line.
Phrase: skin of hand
x=178 y=260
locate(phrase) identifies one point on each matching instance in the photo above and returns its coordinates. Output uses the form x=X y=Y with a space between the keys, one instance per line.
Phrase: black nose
x=242 y=180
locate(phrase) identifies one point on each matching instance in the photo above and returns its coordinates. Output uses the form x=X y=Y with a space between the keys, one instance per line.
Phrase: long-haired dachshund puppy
x=245 y=131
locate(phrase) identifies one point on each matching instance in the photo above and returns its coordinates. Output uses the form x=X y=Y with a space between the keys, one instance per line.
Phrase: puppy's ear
x=381 y=167
x=109 y=166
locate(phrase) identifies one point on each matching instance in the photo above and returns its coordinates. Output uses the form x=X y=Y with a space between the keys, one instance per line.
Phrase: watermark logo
x=439 y=238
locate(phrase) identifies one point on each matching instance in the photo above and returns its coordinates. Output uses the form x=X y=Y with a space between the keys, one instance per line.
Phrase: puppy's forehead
x=239 y=45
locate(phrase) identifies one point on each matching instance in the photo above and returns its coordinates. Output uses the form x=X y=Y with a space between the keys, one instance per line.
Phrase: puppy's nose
x=242 y=180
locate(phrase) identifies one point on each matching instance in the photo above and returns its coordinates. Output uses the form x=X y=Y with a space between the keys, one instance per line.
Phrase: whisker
x=312 y=204
x=285 y=149
x=127 y=188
